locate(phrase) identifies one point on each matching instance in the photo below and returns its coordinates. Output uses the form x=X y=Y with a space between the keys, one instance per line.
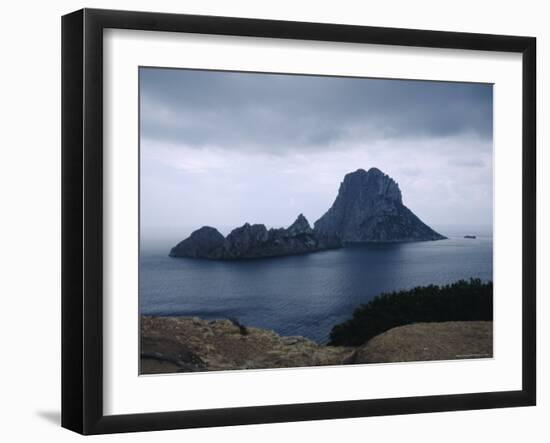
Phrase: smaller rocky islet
x=252 y=241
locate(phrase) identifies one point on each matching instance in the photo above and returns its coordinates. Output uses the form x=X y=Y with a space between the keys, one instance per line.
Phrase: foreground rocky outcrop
x=368 y=208
x=190 y=344
x=252 y=241
x=429 y=341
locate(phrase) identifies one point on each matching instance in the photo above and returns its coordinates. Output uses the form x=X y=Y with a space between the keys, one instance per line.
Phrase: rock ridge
x=252 y=241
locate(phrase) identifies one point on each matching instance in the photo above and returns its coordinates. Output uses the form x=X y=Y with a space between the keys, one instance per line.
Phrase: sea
x=308 y=294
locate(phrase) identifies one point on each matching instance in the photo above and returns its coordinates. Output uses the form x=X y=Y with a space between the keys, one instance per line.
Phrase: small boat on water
x=469 y=236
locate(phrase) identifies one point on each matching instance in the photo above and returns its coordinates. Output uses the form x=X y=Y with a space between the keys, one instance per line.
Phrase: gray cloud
x=468 y=162
x=276 y=113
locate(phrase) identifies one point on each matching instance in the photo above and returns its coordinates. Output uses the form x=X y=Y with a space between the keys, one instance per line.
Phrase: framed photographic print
x=269 y=221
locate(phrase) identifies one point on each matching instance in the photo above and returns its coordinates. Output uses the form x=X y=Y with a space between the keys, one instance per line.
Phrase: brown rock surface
x=429 y=341
x=190 y=344
x=185 y=344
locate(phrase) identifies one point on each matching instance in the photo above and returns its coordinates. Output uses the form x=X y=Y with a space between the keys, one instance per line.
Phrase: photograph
x=300 y=220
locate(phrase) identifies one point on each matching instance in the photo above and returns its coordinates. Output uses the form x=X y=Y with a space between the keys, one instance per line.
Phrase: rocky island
x=368 y=208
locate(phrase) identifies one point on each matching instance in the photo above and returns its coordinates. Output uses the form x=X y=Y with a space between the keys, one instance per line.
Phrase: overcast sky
x=222 y=148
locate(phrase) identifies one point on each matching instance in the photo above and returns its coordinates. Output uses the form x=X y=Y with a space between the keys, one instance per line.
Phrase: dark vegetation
x=460 y=301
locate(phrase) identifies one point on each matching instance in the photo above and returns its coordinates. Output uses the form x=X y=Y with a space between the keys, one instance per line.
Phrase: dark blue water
x=308 y=294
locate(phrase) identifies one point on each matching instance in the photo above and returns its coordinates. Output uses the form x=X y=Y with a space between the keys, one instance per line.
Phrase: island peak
x=369 y=208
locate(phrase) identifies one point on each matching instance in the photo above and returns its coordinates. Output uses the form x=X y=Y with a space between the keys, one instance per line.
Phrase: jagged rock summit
x=369 y=208
x=300 y=226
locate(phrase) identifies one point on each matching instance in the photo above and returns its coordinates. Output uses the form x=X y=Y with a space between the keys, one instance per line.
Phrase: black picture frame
x=82 y=218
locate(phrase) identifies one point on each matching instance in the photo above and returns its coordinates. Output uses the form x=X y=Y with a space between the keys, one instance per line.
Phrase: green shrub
x=459 y=301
